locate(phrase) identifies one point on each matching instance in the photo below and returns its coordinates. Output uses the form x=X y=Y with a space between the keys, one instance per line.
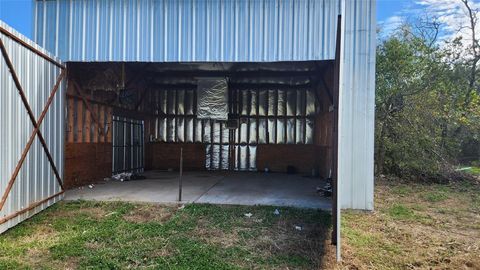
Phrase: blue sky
x=19 y=13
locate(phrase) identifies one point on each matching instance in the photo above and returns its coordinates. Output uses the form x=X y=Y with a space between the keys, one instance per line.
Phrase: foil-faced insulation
x=212 y=99
x=275 y=116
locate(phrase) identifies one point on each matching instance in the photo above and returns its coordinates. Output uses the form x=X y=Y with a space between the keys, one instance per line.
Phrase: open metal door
x=128 y=145
x=32 y=128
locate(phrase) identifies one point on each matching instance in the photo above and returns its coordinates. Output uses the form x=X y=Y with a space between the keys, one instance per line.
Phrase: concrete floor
x=241 y=188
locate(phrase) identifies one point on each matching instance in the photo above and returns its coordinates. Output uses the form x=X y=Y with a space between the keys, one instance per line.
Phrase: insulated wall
x=268 y=116
x=36 y=182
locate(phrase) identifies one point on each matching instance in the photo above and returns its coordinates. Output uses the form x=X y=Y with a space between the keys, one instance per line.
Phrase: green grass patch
x=402 y=190
x=401 y=212
x=101 y=235
x=435 y=196
x=474 y=170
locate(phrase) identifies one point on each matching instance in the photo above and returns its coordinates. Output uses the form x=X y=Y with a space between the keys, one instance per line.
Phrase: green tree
x=425 y=109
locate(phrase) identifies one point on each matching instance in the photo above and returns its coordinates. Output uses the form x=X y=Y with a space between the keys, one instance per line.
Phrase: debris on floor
x=298 y=228
x=327 y=189
x=276 y=212
x=91 y=186
x=181 y=207
x=122 y=176
x=248 y=215
x=127 y=176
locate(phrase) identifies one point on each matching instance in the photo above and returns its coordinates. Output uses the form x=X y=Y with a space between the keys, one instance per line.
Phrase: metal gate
x=32 y=115
x=128 y=145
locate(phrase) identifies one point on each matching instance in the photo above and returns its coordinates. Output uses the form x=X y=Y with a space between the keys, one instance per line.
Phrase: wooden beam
x=87 y=127
x=95 y=124
x=30 y=207
x=232 y=74
x=87 y=104
x=102 y=123
x=71 y=137
x=79 y=124
x=31 y=48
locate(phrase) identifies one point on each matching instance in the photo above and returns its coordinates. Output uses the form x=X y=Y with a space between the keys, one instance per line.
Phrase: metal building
x=220 y=36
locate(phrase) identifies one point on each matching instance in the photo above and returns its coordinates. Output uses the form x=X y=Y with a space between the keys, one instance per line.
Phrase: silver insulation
x=212 y=99
x=275 y=116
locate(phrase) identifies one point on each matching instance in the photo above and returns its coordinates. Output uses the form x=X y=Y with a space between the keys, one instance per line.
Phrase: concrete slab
x=159 y=187
x=240 y=188
x=267 y=189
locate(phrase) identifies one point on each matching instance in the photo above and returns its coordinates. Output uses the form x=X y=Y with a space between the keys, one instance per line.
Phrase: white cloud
x=391 y=24
x=453 y=16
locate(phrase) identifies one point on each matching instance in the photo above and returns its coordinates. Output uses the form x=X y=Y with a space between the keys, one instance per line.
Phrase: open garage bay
x=240 y=188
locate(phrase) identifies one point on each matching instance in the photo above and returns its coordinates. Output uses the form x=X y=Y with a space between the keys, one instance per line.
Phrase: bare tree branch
x=473 y=19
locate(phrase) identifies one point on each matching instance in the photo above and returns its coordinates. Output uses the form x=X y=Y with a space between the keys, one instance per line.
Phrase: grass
x=413 y=226
x=401 y=212
x=91 y=235
x=474 y=171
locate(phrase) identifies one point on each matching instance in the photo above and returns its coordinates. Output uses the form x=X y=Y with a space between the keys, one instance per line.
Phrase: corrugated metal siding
x=36 y=180
x=357 y=104
x=188 y=30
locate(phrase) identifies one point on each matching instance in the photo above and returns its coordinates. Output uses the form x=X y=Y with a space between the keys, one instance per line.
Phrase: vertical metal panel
x=188 y=30
x=36 y=180
x=357 y=104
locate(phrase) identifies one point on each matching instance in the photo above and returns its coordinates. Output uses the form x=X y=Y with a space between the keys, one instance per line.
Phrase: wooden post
x=180 y=178
x=79 y=124
x=88 y=126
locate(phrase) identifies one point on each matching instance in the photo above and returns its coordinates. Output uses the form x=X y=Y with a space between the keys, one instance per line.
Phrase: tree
x=425 y=108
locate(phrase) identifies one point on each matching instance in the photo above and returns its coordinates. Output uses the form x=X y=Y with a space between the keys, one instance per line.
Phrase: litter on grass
x=298 y=228
x=248 y=215
x=276 y=212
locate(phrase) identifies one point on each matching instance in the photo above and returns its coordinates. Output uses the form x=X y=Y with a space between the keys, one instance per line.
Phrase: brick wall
x=303 y=157
x=167 y=155
x=87 y=163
